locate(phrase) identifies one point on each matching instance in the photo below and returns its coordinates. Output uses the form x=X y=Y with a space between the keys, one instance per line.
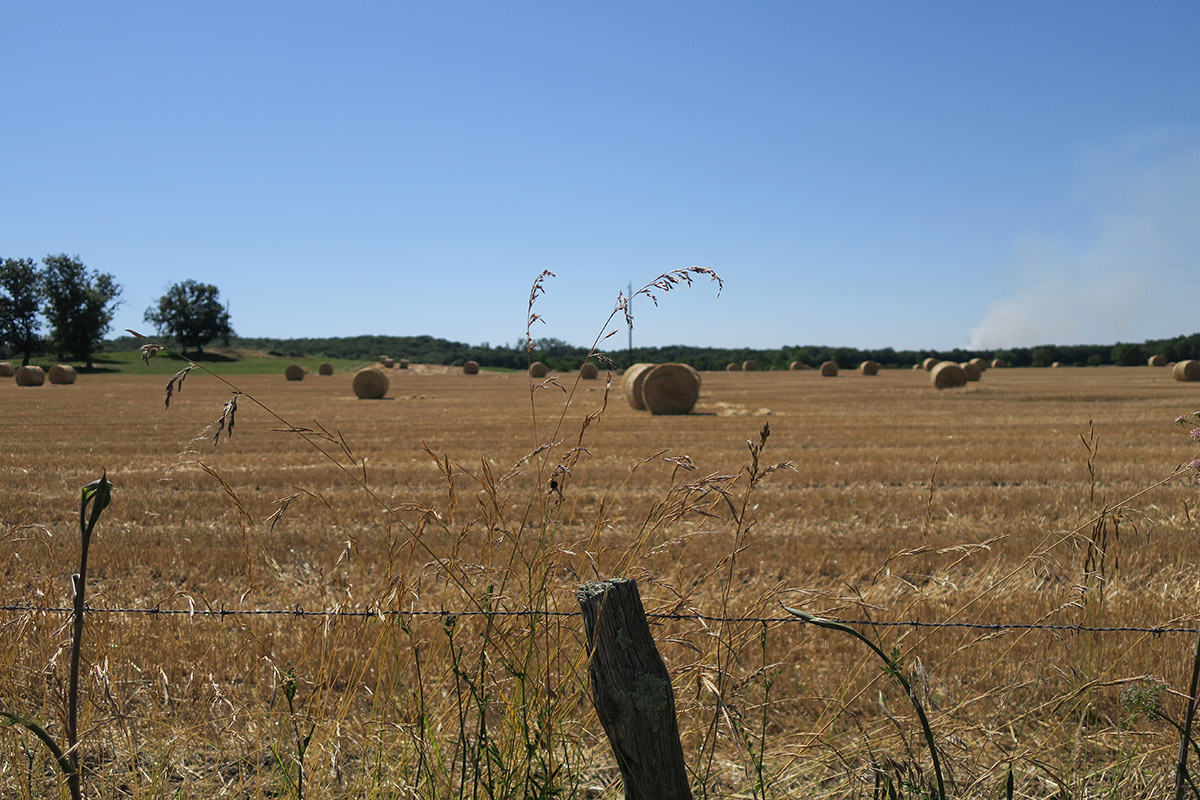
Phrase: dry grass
x=978 y=506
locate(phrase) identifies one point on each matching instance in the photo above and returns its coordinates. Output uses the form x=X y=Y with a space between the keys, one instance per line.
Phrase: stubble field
x=1006 y=503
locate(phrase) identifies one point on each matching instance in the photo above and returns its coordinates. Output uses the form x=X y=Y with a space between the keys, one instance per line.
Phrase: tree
x=79 y=306
x=20 y=297
x=192 y=314
x=1125 y=354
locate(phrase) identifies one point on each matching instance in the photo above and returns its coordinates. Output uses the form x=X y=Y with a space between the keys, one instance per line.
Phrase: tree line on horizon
x=562 y=356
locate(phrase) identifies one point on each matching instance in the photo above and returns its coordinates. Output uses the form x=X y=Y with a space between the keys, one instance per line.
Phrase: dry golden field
x=1016 y=500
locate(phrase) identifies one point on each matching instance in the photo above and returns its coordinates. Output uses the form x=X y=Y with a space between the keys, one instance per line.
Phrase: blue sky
x=869 y=174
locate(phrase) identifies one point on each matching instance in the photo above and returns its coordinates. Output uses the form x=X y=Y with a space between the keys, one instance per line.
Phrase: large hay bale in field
x=30 y=376
x=634 y=377
x=325 y=369
x=370 y=384
x=750 y=365
x=1157 y=361
x=1188 y=370
x=972 y=370
x=798 y=365
x=869 y=367
x=948 y=375
x=389 y=363
x=6 y=370
x=829 y=369
x=929 y=363
x=294 y=372
x=402 y=363
x=589 y=371
x=731 y=367
x=61 y=374
x=538 y=370
x=471 y=368
x=670 y=389
x=981 y=363
x=999 y=363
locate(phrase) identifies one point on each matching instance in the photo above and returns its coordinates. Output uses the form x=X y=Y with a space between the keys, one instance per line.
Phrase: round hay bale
x=798 y=365
x=389 y=363
x=829 y=369
x=981 y=363
x=999 y=363
x=471 y=368
x=670 y=389
x=61 y=374
x=6 y=370
x=1157 y=361
x=633 y=379
x=948 y=375
x=733 y=367
x=1188 y=370
x=294 y=372
x=749 y=366
x=325 y=369
x=538 y=370
x=402 y=363
x=370 y=384
x=589 y=371
x=30 y=376
x=972 y=370
x=929 y=363
x=869 y=368
x=1056 y=365
x=917 y=366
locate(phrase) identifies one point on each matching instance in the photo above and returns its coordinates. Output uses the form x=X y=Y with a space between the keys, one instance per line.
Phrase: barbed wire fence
x=299 y=612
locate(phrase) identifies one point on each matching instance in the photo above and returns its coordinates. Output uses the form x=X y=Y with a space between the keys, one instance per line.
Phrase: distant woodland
x=559 y=355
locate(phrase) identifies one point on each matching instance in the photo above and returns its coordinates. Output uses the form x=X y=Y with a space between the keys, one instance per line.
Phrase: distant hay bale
x=634 y=377
x=670 y=389
x=929 y=363
x=370 y=384
x=829 y=369
x=294 y=372
x=1157 y=361
x=471 y=368
x=61 y=374
x=948 y=375
x=981 y=363
x=6 y=370
x=798 y=365
x=869 y=367
x=402 y=363
x=589 y=371
x=999 y=363
x=917 y=366
x=389 y=363
x=1188 y=370
x=731 y=367
x=538 y=370
x=1056 y=365
x=973 y=370
x=749 y=366
x=325 y=369
x=30 y=376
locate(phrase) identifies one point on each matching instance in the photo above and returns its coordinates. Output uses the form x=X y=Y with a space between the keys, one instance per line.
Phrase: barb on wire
x=381 y=614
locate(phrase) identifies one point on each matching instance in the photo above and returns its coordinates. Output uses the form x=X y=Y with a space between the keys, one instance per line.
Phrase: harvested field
x=975 y=506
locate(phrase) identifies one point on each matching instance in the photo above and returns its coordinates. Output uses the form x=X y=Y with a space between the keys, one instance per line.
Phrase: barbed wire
x=299 y=612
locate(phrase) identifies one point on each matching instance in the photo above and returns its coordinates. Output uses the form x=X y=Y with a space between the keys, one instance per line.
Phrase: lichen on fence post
x=632 y=692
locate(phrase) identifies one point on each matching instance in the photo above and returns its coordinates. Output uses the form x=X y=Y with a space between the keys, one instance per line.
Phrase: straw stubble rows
x=904 y=504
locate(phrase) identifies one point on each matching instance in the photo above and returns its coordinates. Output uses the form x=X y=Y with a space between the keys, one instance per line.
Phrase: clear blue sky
x=871 y=174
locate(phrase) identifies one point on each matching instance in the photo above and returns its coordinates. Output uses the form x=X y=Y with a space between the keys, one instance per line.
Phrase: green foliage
x=1125 y=354
x=192 y=314
x=20 y=297
x=79 y=306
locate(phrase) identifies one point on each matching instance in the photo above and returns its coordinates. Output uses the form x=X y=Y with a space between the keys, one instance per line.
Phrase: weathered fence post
x=632 y=692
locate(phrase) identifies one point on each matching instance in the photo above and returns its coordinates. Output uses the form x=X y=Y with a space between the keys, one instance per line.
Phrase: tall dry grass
x=468 y=513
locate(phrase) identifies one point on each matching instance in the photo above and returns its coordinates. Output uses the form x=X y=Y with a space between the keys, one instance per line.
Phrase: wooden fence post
x=631 y=689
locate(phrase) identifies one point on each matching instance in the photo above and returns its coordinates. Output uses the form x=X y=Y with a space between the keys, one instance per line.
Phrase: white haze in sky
x=1131 y=270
